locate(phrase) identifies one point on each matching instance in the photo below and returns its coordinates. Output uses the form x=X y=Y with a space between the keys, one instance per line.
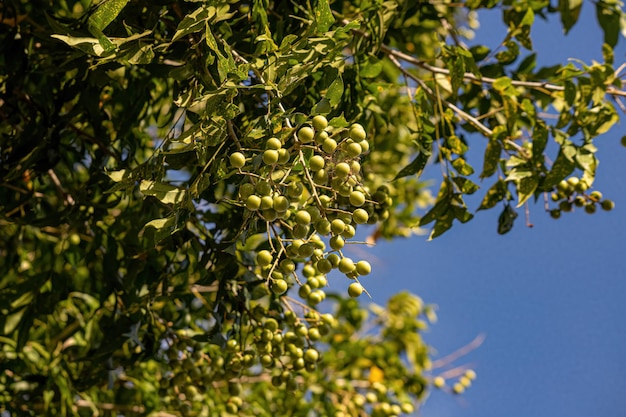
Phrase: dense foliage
x=178 y=181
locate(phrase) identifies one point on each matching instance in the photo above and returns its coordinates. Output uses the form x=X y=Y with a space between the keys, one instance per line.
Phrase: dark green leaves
x=415 y=167
x=570 y=11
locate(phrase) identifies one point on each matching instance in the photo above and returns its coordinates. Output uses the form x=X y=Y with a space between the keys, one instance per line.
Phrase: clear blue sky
x=550 y=299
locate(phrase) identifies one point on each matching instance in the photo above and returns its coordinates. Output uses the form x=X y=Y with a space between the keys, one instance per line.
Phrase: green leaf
x=506 y=219
x=570 y=11
x=323 y=15
x=158 y=229
x=193 y=22
x=335 y=92
x=371 y=68
x=167 y=194
x=526 y=188
x=443 y=224
x=609 y=19
x=562 y=167
x=415 y=167
x=495 y=194
x=492 y=158
x=105 y=13
x=466 y=186
x=462 y=167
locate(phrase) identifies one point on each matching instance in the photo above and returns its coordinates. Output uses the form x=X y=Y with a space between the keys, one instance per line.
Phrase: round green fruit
x=323 y=227
x=342 y=170
x=280 y=203
x=458 y=388
x=264 y=258
x=253 y=202
x=303 y=217
x=306 y=134
x=283 y=156
x=595 y=196
x=311 y=355
x=270 y=157
x=237 y=160
x=337 y=242
x=607 y=205
x=357 y=132
x=329 y=145
x=319 y=122
x=357 y=198
x=324 y=266
x=355 y=289
x=354 y=149
x=246 y=190
x=263 y=188
x=590 y=208
x=337 y=226
x=316 y=163
x=360 y=216
x=346 y=265
x=273 y=143
x=363 y=268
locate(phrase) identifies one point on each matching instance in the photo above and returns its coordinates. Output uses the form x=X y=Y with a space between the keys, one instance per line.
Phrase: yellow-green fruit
x=283 y=156
x=465 y=381
x=329 y=145
x=365 y=145
x=303 y=217
x=336 y=242
x=324 y=266
x=470 y=374
x=555 y=213
x=595 y=196
x=354 y=149
x=281 y=203
x=264 y=258
x=334 y=259
x=342 y=170
x=363 y=267
x=279 y=286
x=270 y=157
x=320 y=137
x=357 y=132
x=590 y=208
x=306 y=134
x=267 y=202
x=246 y=190
x=253 y=202
x=355 y=289
x=357 y=198
x=349 y=232
x=287 y=266
x=311 y=355
x=300 y=231
x=319 y=122
x=323 y=227
x=360 y=216
x=346 y=265
x=458 y=388
x=237 y=159
x=316 y=163
x=273 y=143
x=294 y=189
x=607 y=205
x=439 y=382
x=263 y=188
x=337 y=226
x=74 y=239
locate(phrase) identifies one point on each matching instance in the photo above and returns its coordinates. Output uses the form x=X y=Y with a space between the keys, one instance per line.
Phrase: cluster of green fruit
x=459 y=387
x=572 y=192
x=308 y=189
x=283 y=348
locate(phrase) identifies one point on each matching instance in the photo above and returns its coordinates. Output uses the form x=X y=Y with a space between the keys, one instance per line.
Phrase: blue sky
x=550 y=299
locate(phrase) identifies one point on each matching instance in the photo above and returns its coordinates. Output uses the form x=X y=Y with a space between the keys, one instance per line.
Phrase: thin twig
x=462 y=351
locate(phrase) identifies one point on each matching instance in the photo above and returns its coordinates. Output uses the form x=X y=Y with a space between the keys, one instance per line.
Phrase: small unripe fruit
x=303 y=217
x=253 y=202
x=349 y=232
x=329 y=145
x=320 y=137
x=357 y=198
x=270 y=157
x=237 y=159
x=246 y=190
x=355 y=289
x=300 y=231
x=281 y=203
x=465 y=381
x=279 y=286
x=595 y=196
x=337 y=226
x=267 y=202
x=283 y=156
x=324 y=266
x=316 y=163
x=323 y=227
x=263 y=188
x=346 y=265
x=439 y=382
x=311 y=355
x=363 y=267
x=287 y=266
x=470 y=374
x=607 y=205
x=264 y=258
x=273 y=143
x=319 y=122
x=357 y=132
x=342 y=170
x=458 y=388
x=365 y=145
x=334 y=259
x=336 y=242
x=590 y=208
x=555 y=213
x=354 y=149
x=360 y=216
x=306 y=134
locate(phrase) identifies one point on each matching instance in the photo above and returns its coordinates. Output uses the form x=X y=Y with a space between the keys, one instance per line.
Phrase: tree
x=178 y=180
